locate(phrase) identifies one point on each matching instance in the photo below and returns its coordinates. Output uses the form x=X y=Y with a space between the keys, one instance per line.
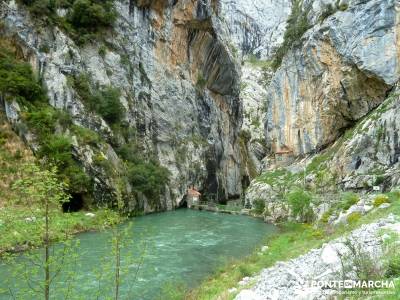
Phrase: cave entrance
x=74 y=204
x=183 y=203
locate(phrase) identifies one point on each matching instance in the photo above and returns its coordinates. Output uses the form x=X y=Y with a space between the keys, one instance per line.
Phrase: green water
x=182 y=248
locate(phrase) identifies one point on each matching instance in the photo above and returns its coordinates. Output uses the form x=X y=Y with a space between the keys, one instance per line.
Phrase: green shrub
x=145 y=176
x=85 y=18
x=317 y=233
x=380 y=199
x=42 y=8
x=353 y=217
x=172 y=291
x=130 y=152
x=258 y=206
x=299 y=202
x=245 y=135
x=17 y=79
x=81 y=84
x=201 y=81
x=148 y=178
x=42 y=119
x=64 y=119
x=108 y=105
x=325 y=217
x=393 y=266
x=348 y=199
x=102 y=51
x=86 y=136
x=360 y=261
x=379 y=179
x=91 y=15
x=244 y=271
x=103 y=101
x=77 y=180
x=101 y=161
x=57 y=149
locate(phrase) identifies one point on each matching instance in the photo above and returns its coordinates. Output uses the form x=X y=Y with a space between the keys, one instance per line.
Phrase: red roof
x=284 y=149
x=193 y=193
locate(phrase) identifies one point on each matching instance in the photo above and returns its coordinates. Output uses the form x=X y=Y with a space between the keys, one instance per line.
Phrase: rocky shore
x=292 y=279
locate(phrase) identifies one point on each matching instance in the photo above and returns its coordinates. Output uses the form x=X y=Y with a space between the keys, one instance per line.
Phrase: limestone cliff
x=341 y=68
x=255 y=27
x=179 y=86
x=188 y=74
x=330 y=120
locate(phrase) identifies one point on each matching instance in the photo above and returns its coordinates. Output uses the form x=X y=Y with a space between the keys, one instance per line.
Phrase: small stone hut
x=284 y=156
x=193 y=197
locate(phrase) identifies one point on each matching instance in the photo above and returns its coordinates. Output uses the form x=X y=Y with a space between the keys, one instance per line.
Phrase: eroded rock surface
x=343 y=69
x=255 y=26
x=179 y=85
x=292 y=279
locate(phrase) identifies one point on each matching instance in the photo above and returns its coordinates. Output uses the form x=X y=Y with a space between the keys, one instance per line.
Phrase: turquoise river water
x=161 y=252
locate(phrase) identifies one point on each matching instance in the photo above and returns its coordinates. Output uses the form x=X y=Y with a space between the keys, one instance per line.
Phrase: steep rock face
x=371 y=156
x=333 y=103
x=255 y=27
x=344 y=68
x=255 y=77
x=179 y=85
x=366 y=156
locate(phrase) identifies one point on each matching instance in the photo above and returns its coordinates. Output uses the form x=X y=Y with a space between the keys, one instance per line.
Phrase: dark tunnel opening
x=74 y=204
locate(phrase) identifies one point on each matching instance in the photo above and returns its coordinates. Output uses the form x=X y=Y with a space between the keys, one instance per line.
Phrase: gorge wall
x=330 y=122
x=179 y=86
x=204 y=99
x=344 y=66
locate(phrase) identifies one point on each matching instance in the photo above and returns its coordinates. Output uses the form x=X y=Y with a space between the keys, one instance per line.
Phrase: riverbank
x=369 y=252
x=181 y=247
x=20 y=230
x=21 y=218
x=227 y=209
x=292 y=241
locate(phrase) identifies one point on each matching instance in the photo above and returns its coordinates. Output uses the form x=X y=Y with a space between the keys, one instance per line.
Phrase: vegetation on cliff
x=18 y=82
x=54 y=131
x=20 y=226
x=297 y=25
x=83 y=19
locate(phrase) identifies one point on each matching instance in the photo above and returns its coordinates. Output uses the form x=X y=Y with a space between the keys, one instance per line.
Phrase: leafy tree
x=46 y=8
x=258 y=206
x=57 y=149
x=84 y=18
x=148 y=178
x=299 y=202
x=130 y=152
x=145 y=175
x=44 y=194
x=117 y=267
